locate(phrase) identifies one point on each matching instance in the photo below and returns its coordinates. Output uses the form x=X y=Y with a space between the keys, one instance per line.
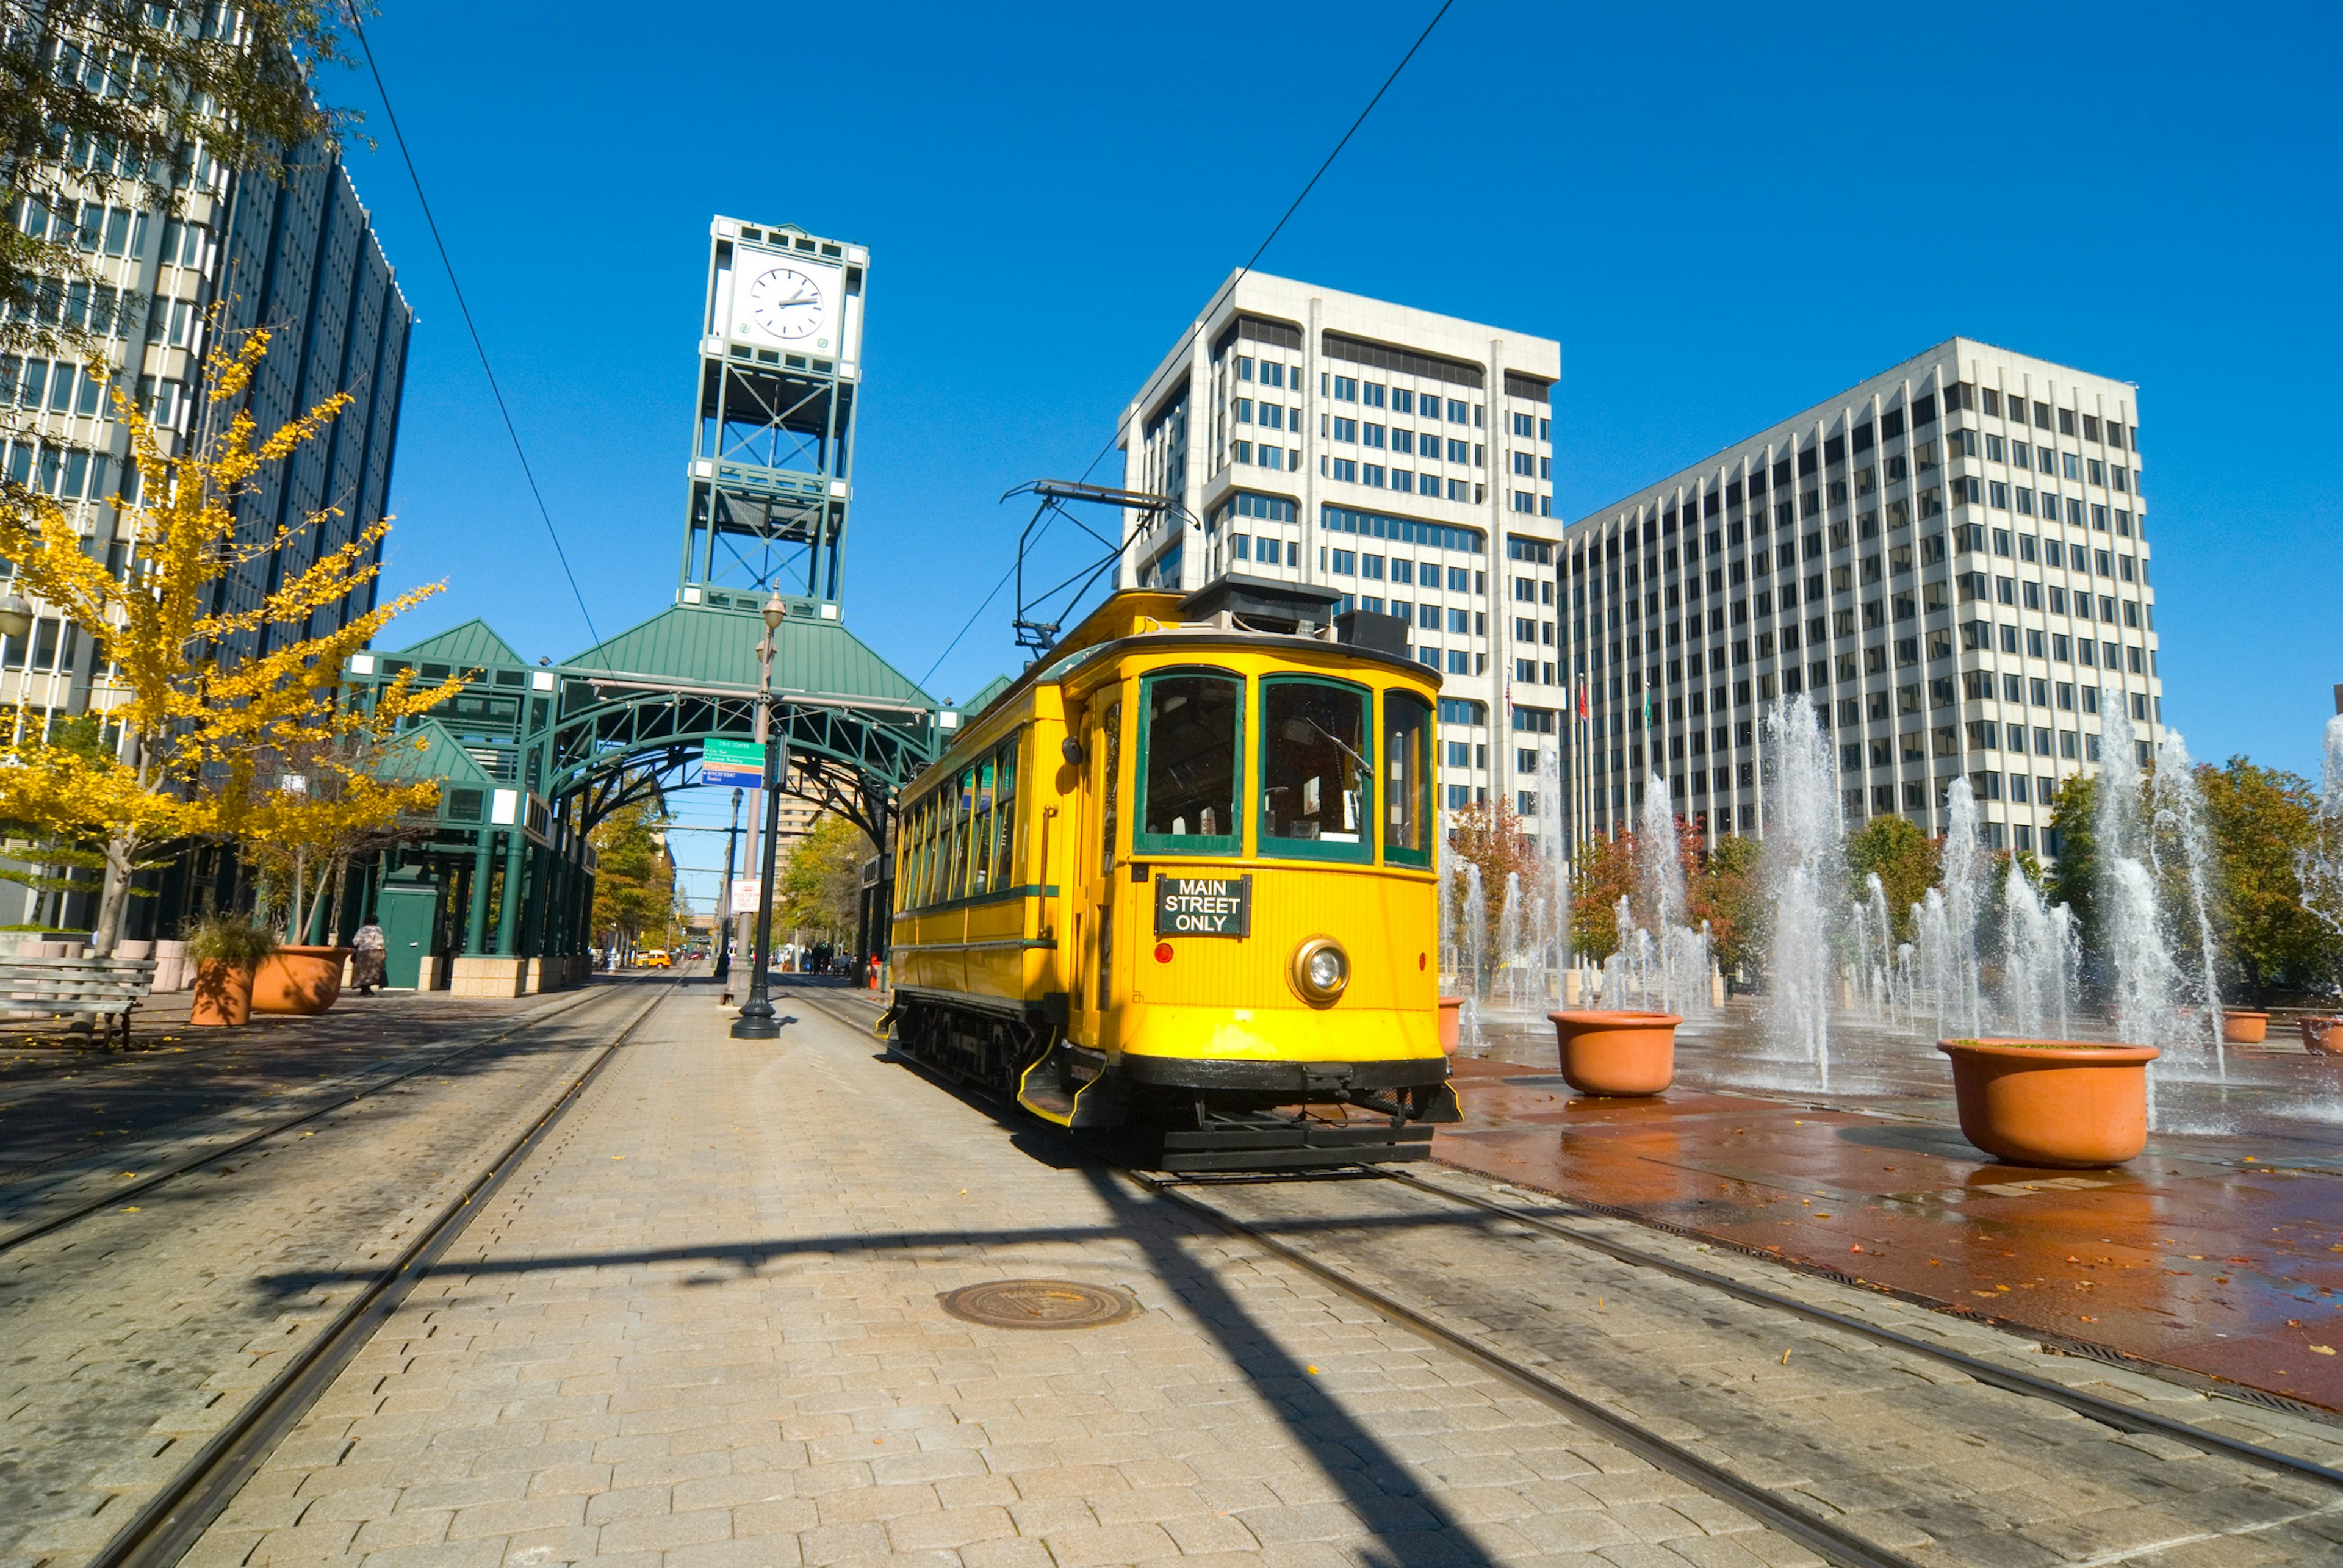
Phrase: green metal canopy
x=431 y=750
x=472 y=643
x=702 y=645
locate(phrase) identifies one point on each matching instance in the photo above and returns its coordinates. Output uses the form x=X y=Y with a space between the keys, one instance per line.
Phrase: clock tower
x=772 y=451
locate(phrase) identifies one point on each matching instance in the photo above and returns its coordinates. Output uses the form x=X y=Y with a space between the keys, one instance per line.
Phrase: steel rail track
x=197 y=1160
x=176 y=1517
x=2107 y=1411
x=1826 y=1539
x=1820 y=1534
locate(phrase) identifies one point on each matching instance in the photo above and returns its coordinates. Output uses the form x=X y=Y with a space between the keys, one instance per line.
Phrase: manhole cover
x=1037 y=1304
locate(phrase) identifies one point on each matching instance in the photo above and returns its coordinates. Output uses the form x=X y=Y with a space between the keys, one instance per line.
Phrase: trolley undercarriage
x=1175 y=1113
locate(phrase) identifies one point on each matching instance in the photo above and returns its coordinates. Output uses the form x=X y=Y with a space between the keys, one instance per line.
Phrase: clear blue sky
x=1723 y=214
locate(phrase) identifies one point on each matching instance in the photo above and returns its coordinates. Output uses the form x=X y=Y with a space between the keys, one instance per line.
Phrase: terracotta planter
x=1618 y=1052
x=1452 y=1010
x=2245 y=1027
x=223 y=994
x=301 y=980
x=2323 y=1036
x=2060 y=1103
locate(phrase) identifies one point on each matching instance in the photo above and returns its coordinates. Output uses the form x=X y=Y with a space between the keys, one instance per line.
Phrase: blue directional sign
x=741 y=763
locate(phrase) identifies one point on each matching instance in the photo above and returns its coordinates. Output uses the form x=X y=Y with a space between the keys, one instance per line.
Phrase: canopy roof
x=702 y=645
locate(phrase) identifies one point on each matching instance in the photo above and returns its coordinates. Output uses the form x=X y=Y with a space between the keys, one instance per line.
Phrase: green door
x=408 y=913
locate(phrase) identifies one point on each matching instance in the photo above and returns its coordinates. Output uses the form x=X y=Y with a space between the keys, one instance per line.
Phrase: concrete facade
x=1949 y=559
x=1401 y=458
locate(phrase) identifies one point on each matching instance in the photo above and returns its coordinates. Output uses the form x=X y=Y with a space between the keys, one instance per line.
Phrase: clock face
x=786 y=303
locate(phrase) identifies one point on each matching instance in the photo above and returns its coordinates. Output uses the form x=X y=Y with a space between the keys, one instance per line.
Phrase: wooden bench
x=76 y=988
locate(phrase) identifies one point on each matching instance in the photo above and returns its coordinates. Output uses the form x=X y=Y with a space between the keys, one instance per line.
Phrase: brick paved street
x=135 y=1332
x=67 y=1109
x=1912 y=1455
x=701 y=1328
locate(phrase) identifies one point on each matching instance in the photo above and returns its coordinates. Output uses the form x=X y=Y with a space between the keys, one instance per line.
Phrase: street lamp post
x=756 y=1020
x=730 y=924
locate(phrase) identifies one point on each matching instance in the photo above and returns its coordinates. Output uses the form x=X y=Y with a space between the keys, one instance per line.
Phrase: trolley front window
x=1407 y=780
x=1187 y=763
x=1317 y=771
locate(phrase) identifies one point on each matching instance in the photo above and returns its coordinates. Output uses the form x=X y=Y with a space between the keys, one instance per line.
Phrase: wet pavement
x=2219 y=1251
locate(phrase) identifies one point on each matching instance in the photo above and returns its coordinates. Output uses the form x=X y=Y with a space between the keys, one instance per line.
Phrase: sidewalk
x=703 y=1327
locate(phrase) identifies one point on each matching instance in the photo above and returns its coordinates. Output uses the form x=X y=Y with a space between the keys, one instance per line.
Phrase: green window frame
x=1420 y=708
x=1360 y=848
x=1229 y=843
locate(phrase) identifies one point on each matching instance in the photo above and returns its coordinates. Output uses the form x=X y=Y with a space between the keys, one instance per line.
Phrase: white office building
x=1949 y=558
x=1402 y=459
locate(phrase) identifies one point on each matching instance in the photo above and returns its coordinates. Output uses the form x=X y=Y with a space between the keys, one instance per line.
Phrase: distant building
x=298 y=257
x=797 y=818
x=1402 y=457
x=1950 y=558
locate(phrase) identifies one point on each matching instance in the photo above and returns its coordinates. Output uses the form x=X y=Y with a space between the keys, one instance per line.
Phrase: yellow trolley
x=1176 y=887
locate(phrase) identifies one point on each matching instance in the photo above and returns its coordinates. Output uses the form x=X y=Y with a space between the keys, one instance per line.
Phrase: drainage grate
x=1039 y=1305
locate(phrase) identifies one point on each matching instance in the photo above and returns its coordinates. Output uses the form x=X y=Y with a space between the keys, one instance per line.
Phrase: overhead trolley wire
x=469 y=326
x=1230 y=287
x=1226 y=289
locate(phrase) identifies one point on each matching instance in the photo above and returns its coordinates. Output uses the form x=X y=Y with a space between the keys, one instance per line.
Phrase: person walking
x=367 y=949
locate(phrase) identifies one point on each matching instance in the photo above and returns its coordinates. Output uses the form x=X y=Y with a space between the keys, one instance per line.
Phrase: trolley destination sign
x=1203 y=906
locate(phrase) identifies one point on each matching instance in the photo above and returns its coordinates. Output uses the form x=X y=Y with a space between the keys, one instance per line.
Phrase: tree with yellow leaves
x=317 y=803
x=198 y=722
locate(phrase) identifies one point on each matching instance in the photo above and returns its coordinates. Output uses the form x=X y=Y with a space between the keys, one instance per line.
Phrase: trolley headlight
x=1320 y=969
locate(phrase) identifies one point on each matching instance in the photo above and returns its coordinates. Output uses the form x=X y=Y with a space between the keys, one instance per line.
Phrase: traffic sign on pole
x=741 y=763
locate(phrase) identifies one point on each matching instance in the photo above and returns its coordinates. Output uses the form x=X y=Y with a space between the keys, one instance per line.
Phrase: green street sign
x=739 y=763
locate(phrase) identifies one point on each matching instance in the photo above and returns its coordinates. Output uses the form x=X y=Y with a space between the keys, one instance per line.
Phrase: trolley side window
x=907 y=875
x=1317 y=770
x=1191 y=734
x=979 y=870
x=938 y=845
x=963 y=805
x=932 y=854
x=1407 y=780
x=1004 y=817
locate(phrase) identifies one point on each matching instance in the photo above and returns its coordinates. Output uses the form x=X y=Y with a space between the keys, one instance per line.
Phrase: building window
x=1460 y=662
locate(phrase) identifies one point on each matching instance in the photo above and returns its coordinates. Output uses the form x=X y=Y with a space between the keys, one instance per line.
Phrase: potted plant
x=225 y=951
x=2052 y=1102
x=1452 y=1010
x=300 y=980
x=2323 y=1036
x=2240 y=1028
x=1616 y=1052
